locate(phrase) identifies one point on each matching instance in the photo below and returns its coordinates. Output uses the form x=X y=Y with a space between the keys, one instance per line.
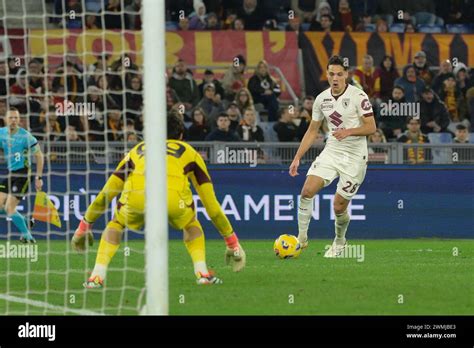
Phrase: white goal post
x=156 y=233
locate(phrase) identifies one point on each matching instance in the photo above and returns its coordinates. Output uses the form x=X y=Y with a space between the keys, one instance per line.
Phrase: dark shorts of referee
x=16 y=183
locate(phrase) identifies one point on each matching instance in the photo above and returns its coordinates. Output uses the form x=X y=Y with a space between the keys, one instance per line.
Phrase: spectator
x=252 y=15
x=36 y=76
x=463 y=78
x=183 y=24
x=423 y=12
x=222 y=132
x=461 y=155
x=212 y=22
x=308 y=102
x=199 y=128
x=238 y=24
x=209 y=78
x=4 y=85
x=21 y=92
x=364 y=21
x=248 y=130
x=90 y=24
x=134 y=97
x=324 y=9
x=133 y=14
x=365 y=76
x=343 y=17
x=433 y=114
x=72 y=135
x=197 y=19
x=445 y=69
x=285 y=128
x=412 y=85
x=171 y=95
x=265 y=89
x=410 y=28
x=306 y=10
x=49 y=127
x=244 y=100
x=132 y=137
x=294 y=24
x=422 y=69
x=3 y=110
x=211 y=103
x=233 y=79
x=451 y=95
x=414 y=155
x=270 y=25
x=385 y=76
x=381 y=26
x=112 y=17
x=234 y=116
x=12 y=70
x=71 y=13
x=351 y=80
x=394 y=124
x=377 y=154
x=386 y=10
x=183 y=83
x=114 y=125
x=100 y=65
x=69 y=78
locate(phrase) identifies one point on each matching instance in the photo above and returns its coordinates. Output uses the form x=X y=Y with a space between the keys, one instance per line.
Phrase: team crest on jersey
x=365 y=105
x=345 y=102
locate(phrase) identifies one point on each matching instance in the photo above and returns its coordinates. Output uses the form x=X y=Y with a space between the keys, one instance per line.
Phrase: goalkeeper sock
x=341 y=224
x=105 y=253
x=20 y=222
x=197 y=251
x=305 y=210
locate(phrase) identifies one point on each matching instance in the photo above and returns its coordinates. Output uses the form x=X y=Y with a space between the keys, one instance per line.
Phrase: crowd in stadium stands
x=233 y=107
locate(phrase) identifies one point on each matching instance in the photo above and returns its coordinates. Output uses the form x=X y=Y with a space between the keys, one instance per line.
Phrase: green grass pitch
x=429 y=278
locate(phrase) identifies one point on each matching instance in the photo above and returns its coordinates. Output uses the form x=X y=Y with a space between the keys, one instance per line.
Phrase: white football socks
x=304 y=217
x=341 y=224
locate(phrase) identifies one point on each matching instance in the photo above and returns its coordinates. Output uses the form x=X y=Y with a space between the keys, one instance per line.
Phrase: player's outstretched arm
x=306 y=143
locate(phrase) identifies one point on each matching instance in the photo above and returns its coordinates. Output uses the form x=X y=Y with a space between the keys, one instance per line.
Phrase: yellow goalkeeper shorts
x=180 y=208
x=130 y=209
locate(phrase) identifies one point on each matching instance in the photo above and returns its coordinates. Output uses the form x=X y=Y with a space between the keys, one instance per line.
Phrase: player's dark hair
x=337 y=60
x=461 y=127
x=328 y=17
x=175 y=126
x=12 y=108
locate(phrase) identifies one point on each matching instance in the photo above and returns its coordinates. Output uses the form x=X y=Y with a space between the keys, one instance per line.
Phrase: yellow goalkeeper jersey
x=185 y=163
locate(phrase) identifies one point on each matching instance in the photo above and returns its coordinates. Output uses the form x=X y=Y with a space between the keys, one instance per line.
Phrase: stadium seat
x=459 y=28
x=370 y=28
x=430 y=29
x=397 y=28
x=441 y=156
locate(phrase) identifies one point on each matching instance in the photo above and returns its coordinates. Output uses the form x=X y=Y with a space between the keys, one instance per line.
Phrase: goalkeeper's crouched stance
x=184 y=163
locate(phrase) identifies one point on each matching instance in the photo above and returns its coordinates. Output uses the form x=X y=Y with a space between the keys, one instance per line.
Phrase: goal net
x=73 y=69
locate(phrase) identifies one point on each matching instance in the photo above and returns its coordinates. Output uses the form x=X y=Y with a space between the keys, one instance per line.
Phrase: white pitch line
x=46 y=305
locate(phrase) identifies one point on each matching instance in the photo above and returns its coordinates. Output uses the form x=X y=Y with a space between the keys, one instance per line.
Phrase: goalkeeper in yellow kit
x=183 y=163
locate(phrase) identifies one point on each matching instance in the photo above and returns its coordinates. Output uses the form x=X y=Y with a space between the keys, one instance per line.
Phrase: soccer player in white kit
x=350 y=118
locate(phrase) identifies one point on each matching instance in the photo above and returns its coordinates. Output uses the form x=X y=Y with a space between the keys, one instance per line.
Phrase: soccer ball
x=287 y=246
